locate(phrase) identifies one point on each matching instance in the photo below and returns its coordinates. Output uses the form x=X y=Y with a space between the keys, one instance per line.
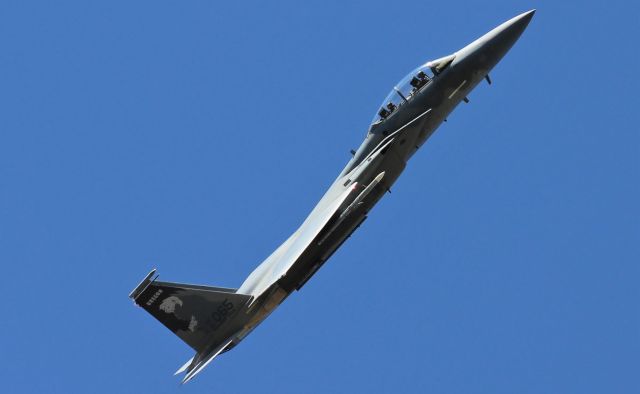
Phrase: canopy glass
x=408 y=86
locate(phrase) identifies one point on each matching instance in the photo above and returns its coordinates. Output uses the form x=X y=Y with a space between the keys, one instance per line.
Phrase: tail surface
x=200 y=315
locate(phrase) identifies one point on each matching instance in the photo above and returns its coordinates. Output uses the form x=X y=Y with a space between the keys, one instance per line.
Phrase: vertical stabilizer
x=199 y=315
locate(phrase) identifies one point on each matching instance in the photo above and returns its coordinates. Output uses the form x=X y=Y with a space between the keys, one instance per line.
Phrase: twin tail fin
x=199 y=315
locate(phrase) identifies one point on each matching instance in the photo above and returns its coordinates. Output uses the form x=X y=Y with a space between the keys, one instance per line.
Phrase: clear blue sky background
x=195 y=136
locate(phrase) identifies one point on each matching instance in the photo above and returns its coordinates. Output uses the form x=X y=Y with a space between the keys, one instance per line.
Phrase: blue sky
x=195 y=137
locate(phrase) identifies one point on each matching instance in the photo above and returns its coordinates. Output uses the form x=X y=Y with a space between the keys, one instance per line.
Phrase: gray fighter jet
x=212 y=320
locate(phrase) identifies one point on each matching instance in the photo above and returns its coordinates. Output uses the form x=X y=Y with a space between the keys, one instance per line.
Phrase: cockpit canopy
x=406 y=89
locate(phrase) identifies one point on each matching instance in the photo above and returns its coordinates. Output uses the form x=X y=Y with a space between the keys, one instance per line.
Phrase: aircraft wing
x=309 y=230
x=326 y=210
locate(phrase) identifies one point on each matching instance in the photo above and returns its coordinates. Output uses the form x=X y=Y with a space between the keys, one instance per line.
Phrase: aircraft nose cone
x=487 y=50
x=505 y=35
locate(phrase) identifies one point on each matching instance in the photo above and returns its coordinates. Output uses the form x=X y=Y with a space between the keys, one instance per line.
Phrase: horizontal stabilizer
x=196 y=370
x=184 y=367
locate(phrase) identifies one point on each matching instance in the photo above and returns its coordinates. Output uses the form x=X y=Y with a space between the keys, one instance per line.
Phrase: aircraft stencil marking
x=154 y=297
x=169 y=304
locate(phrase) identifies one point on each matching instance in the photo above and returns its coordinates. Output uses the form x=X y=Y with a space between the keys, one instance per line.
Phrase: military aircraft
x=212 y=320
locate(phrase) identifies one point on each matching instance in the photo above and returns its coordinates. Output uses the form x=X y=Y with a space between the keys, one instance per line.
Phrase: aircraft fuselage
x=389 y=145
x=213 y=320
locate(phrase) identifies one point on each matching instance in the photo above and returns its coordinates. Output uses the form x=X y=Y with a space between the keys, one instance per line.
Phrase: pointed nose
x=486 y=51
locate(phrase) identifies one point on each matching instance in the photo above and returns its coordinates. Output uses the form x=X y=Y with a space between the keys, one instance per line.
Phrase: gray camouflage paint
x=213 y=320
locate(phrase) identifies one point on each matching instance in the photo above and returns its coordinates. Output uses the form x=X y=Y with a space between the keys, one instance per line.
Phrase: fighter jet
x=212 y=320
